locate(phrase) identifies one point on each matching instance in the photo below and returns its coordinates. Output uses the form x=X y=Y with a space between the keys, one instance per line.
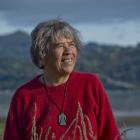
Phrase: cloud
x=112 y=21
x=30 y=12
x=118 y=33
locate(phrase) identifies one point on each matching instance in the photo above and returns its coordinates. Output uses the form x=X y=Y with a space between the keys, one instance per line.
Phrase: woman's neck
x=53 y=80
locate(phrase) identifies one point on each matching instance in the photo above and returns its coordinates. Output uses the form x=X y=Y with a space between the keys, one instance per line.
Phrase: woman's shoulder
x=28 y=87
x=86 y=76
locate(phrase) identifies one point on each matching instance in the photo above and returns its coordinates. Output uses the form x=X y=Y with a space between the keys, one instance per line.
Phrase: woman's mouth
x=67 y=61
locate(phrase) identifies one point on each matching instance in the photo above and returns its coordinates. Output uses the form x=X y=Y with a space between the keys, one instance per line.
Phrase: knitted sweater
x=34 y=110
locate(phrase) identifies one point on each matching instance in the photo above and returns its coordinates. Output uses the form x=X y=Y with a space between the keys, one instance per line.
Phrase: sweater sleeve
x=107 y=127
x=13 y=128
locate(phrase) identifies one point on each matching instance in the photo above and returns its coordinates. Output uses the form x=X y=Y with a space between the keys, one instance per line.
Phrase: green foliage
x=118 y=67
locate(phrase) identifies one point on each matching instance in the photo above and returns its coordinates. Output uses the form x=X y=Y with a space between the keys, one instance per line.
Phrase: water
x=124 y=100
x=5 y=98
x=126 y=104
x=133 y=134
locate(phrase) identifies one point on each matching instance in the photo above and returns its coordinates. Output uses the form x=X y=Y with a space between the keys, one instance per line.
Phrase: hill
x=117 y=66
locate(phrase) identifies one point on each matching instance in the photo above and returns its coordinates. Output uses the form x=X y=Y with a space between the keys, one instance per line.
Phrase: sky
x=100 y=21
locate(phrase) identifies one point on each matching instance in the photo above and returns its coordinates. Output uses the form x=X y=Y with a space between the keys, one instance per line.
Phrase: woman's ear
x=43 y=53
x=41 y=63
x=42 y=59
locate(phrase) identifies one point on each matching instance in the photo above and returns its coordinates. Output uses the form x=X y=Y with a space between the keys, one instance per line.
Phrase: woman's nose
x=67 y=49
x=66 y=45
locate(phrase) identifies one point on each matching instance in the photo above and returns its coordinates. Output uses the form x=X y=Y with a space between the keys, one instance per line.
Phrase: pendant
x=62 y=119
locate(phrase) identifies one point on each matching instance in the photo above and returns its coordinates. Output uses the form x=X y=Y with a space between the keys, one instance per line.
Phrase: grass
x=130 y=121
x=2 y=122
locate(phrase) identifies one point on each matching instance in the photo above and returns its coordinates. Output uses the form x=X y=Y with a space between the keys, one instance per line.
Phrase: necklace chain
x=61 y=117
x=60 y=108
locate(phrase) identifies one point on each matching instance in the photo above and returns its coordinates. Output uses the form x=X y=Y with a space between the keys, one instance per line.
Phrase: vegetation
x=117 y=66
x=1 y=128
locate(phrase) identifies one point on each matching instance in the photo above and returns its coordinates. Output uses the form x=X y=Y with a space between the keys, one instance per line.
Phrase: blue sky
x=102 y=21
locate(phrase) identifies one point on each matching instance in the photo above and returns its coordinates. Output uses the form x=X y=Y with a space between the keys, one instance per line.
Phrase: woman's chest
x=41 y=119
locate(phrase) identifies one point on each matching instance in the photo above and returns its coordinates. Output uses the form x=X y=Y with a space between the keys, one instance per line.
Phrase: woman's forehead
x=64 y=33
x=62 y=39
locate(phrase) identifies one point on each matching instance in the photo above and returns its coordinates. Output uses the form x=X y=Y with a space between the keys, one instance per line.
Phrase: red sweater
x=33 y=114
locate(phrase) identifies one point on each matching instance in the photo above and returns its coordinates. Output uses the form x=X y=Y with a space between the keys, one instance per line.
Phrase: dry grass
x=2 y=122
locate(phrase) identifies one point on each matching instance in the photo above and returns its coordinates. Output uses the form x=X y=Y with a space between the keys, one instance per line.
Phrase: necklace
x=61 y=116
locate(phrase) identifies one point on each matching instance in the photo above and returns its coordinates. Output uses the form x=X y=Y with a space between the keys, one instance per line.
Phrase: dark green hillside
x=118 y=67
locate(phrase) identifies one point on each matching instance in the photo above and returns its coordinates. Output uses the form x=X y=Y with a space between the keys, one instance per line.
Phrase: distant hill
x=118 y=67
x=15 y=45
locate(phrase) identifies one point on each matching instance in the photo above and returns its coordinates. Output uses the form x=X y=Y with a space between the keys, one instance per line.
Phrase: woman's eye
x=59 y=45
x=72 y=45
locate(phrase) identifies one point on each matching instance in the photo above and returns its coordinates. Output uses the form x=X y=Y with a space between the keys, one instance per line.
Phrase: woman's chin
x=68 y=70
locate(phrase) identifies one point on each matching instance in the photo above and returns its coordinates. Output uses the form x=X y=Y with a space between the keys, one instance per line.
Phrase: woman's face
x=62 y=57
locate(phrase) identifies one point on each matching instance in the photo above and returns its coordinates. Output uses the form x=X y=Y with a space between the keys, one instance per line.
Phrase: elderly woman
x=59 y=104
